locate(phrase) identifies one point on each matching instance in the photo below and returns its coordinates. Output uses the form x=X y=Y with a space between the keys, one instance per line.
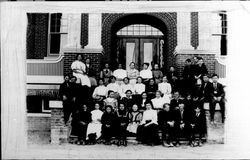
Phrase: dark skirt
x=148 y=134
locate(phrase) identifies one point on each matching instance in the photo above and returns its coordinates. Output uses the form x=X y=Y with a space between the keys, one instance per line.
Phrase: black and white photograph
x=125 y=80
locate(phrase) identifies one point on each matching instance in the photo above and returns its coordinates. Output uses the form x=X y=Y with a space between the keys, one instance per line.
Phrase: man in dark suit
x=204 y=93
x=66 y=97
x=174 y=103
x=188 y=77
x=166 y=124
x=198 y=124
x=182 y=123
x=217 y=96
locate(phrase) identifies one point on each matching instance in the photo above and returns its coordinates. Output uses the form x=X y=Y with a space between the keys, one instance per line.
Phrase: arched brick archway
x=167 y=25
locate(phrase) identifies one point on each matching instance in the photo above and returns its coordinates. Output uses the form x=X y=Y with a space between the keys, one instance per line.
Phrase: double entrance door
x=138 y=50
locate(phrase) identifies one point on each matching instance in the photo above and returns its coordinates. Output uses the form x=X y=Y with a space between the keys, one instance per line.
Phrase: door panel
x=138 y=50
x=148 y=49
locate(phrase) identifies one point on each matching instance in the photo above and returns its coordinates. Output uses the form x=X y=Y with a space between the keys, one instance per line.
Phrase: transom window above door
x=139 y=29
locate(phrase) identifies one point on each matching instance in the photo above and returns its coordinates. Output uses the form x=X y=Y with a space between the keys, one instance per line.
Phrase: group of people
x=141 y=104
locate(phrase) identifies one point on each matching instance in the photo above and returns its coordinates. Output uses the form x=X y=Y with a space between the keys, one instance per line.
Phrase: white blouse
x=158 y=102
x=124 y=88
x=133 y=73
x=113 y=87
x=149 y=115
x=165 y=88
x=146 y=74
x=120 y=73
x=139 y=88
x=100 y=91
x=79 y=66
x=95 y=115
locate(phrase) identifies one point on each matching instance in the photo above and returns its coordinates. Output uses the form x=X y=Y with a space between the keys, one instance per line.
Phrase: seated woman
x=100 y=92
x=113 y=86
x=80 y=120
x=122 y=123
x=151 y=88
x=132 y=74
x=157 y=74
x=79 y=70
x=166 y=124
x=120 y=74
x=146 y=74
x=95 y=126
x=124 y=87
x=108 y=124
x=165 y=89
x=198 y=125
x=135 y=118
x=111 y=100
x=139 y=88
x=158 y=101
x=106 y=73
x=148 y=129
x=143 y=100
x=128 y=101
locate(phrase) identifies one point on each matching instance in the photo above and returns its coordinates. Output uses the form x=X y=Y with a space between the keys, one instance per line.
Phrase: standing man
x=64 y=92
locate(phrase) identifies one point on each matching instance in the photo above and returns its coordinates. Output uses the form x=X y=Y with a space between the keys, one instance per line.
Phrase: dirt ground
x=70 y=151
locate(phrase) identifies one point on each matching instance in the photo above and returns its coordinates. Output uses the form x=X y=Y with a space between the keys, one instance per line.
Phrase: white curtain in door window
x=148 y=53
x=130 y=53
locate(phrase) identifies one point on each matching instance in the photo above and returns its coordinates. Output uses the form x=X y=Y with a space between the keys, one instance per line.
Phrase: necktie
x=215 y=86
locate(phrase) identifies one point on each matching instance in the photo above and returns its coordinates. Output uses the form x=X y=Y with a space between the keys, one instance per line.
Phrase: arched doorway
x=163 y=22
x=139 y=43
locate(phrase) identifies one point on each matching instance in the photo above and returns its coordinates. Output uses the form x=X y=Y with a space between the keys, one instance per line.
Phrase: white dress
x=80 y=69
x=166 y=90
x=95 y=126
x=139 y=88
x=100 y=91
x=146 y=74
x=158 y=102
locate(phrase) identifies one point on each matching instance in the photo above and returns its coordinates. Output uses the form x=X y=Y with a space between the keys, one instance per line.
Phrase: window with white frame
x=139 y=30
x=57 y=33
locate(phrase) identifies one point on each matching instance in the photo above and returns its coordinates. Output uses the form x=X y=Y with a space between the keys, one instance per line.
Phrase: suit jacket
x=164 y=117
x=199 y=121
x=219 y=91
x=205 y=91
x=174 y=103
x=185 y=118
x=64 y=89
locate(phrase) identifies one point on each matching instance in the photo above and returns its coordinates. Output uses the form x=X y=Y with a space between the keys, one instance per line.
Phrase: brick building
x=166 y=38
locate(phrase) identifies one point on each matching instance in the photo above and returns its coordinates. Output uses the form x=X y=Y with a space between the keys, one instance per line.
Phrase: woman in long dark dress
x=122 y=123
x=108 y=124
x=147 y=132
x=80 y=121
x=151 y=88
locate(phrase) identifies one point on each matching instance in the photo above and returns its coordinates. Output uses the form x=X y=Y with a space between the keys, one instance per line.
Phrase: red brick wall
x=37 y=35
x=209 y=60
x=95 y=59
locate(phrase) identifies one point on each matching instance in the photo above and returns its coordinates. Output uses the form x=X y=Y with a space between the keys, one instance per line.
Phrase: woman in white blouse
x=132 y=74
x=158 y=101
x=139 y=87
x=124 y=87
x=79 y=70
x=100 y=92
x=147 y=131
x=165 y=89
x=95 y=126
x=146 y=73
